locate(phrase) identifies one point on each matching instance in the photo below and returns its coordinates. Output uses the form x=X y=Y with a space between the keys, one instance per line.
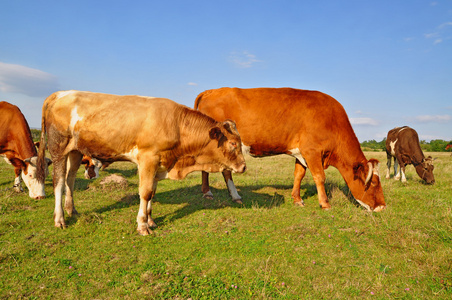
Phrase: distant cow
x=449 y=147
x=16 y=146
x=165 y=140
x=308 y=125
x=402 y=143
x=92 y=167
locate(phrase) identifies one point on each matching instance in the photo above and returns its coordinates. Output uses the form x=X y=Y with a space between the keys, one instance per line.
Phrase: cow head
x=225 y=137
x=29 y=170
x=372 y=197
x=425 y=170
x=92 y=167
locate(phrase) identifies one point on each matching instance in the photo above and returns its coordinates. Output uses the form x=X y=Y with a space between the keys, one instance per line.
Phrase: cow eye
x=234 y=144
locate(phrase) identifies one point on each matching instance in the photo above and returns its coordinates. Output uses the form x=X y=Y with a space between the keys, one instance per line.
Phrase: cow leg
x=148 y=184
x=388 y=164
x=18 y=180
x=396 y=174
x=73 y=163
x=206 y=193
x=299 y=173
x=318 y=173
x=402 y=170
x=151 y=222
x=227 y=175
x=59 y=178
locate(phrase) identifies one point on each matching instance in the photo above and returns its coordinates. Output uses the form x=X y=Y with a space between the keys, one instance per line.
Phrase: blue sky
x=388 y=62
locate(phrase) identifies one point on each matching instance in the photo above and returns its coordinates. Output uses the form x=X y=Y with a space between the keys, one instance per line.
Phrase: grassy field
x=263 y=249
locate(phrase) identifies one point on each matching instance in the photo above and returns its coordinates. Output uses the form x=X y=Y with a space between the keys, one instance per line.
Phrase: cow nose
x=39 y=197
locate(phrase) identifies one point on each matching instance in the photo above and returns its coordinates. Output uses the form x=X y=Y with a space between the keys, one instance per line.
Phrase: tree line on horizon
x=370 y=145
x=432 y=146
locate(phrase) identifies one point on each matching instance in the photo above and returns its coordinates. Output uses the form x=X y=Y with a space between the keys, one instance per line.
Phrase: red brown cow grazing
x=16 y=146
x=402 y=143
x=165 y=140
x=308 y=125
x=449 y=148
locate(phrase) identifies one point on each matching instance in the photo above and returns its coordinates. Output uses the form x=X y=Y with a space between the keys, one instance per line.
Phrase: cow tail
x=198 y=99
x=41 y=164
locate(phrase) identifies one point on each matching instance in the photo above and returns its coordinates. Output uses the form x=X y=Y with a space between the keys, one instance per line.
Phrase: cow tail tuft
x=41 y=164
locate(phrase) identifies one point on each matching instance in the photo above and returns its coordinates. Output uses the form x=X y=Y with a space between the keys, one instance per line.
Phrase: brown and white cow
x=308 y=125
x=18 y=149
x=92 y=167
x=165 y=140
x=402 y=143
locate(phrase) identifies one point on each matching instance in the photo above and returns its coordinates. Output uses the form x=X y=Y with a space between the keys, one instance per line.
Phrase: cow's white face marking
x=297 y=154
x=35 y=188
x=75 y=117
x=392 y=145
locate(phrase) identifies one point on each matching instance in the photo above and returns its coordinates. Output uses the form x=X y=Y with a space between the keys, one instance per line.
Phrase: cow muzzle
x=240 y=169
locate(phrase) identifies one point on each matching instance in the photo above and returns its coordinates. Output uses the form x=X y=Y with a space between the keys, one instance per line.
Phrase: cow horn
x=369 y=174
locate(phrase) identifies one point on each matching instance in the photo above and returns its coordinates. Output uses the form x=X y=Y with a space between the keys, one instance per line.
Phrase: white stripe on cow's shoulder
x=392 y=145
x=75 y=117
x=297 y=154
x=402 y=129
x=62 y=94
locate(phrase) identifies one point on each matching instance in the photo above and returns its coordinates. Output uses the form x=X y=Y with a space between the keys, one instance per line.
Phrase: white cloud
x=363 y=121
x=192 y=83
x=445 y=25
x=27 y=81
x=243 y=59
x=433 y=119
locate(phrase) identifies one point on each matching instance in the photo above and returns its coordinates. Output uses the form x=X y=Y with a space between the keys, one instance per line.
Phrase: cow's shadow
x=252 y=196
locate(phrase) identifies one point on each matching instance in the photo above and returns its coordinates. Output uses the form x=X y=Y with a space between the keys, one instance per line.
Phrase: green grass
x=263 y=249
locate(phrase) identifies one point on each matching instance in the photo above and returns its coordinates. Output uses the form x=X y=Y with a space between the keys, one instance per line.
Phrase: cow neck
x=24 y=142
x=345 y=164
x=194 y=131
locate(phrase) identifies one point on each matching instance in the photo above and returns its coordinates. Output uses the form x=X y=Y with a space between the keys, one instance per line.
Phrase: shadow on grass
x=252 y=196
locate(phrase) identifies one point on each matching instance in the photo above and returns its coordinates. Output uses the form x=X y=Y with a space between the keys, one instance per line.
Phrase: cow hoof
x=379 y=208
x=238 y=201
x=18 y=189
x=325 y=207
x=151 y=223
x=299 y=203
x=72 y=212
x=208 y=195
x=144 y=229
x=60 y=225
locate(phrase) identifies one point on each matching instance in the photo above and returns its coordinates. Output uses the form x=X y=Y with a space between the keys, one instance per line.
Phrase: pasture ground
x=216 y=249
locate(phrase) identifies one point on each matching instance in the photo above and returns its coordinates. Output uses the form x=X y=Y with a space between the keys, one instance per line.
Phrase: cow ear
x=215 y=133
x=18 y=163
x=358 y=169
